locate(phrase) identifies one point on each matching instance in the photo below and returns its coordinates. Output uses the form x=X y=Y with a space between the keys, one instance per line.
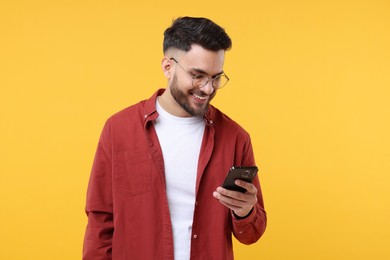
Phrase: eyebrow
x=205 y=73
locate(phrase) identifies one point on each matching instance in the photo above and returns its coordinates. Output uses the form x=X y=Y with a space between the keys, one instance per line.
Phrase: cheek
x=181 y=85
x=172 y=83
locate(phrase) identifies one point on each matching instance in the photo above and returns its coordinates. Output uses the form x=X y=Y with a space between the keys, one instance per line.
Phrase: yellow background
x=309 y=80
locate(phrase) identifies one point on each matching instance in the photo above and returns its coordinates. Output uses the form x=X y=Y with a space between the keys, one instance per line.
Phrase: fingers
x=240 y=203
x=235 y=208
x=233 y=198
x=250 y=188
x=236 y=198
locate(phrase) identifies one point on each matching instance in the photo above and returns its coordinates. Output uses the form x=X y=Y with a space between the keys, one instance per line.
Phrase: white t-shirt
x=180 y=140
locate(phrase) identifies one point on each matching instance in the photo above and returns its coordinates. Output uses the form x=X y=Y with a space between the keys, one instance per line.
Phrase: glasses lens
x=199 y=80
x=220 y=81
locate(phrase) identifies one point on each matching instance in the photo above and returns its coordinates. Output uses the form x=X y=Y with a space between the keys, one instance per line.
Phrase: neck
x=169 y=104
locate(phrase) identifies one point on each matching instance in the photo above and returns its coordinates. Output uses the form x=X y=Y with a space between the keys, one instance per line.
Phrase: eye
x=198 y=76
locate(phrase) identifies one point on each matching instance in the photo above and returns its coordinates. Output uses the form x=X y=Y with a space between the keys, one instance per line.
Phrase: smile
x=199 y=97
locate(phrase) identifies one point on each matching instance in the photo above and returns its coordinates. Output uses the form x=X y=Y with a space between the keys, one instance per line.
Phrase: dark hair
x=186 y=31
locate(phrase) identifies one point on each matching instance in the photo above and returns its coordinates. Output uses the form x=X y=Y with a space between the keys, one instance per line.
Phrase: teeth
x=203 y=98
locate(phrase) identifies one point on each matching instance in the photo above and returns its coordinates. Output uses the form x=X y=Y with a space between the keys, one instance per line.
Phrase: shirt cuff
x=244 y=217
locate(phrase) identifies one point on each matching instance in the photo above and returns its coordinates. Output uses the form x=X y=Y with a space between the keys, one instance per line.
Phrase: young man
x=154 y=191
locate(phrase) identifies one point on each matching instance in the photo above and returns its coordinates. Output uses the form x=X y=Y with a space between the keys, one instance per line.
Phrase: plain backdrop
x=309 y=81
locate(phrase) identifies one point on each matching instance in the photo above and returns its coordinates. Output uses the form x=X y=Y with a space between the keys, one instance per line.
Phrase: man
x=154 y=191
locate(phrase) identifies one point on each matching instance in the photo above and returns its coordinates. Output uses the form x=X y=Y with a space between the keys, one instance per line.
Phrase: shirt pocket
x=133 y=172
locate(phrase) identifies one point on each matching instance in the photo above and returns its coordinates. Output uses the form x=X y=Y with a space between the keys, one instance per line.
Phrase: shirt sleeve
x=99 y=206
x=249 y=229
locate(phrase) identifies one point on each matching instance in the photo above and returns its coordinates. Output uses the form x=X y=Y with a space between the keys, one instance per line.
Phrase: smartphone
x=245 y=173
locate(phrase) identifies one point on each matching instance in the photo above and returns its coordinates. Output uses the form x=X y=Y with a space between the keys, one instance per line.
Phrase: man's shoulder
x=223 y=122
x=126 y=115
x=138 y=110
x=129 y=111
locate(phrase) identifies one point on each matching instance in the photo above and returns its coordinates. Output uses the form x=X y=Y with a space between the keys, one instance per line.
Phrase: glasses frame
x=194 y=77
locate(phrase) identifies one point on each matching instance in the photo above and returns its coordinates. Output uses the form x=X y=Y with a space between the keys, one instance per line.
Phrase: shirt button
x=145 y=116
x=211 y=121
x=195 y=236
x=196 y=203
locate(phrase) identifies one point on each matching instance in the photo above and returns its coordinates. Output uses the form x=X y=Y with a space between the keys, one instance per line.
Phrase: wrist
x=242 y=217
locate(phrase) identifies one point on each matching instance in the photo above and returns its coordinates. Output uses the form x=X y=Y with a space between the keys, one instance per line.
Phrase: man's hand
x=240 y=203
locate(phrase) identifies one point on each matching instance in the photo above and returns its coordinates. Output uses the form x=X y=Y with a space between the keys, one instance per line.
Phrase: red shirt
x=127 y=206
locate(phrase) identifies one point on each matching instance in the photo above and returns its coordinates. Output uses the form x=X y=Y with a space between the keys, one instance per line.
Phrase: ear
x=166 y=65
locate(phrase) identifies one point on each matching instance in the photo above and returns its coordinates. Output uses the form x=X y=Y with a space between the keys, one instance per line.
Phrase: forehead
x=206 y=60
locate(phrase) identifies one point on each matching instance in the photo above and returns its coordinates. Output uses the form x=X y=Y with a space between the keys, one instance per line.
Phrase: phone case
x=245 y=173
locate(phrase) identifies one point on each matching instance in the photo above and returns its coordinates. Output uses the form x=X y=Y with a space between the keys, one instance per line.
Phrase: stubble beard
x=182 y=98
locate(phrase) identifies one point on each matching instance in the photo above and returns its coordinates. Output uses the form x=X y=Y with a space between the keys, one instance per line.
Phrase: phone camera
x=247 y=174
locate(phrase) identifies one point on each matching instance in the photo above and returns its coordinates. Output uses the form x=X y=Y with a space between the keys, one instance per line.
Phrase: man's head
x=186 y=31
x=194 y=52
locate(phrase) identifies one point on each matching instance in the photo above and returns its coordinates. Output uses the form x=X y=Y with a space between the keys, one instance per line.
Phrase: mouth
x=199 y=99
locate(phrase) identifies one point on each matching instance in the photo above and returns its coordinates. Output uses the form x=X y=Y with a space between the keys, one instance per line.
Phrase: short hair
x=186 y=31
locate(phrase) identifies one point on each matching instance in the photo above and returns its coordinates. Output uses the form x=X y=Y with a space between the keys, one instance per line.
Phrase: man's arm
x=99 y=208
x=249 y=218
x=248 y=215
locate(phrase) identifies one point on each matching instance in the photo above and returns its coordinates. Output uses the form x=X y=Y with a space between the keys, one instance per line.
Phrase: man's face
x=194 y=101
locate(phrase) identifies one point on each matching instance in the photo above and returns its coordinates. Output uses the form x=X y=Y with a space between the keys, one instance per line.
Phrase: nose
x=208 y=88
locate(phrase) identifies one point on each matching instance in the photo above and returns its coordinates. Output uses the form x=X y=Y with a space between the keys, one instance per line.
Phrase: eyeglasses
x=200 y=80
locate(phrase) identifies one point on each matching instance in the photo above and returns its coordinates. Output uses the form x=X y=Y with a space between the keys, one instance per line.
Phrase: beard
x=184 y=99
